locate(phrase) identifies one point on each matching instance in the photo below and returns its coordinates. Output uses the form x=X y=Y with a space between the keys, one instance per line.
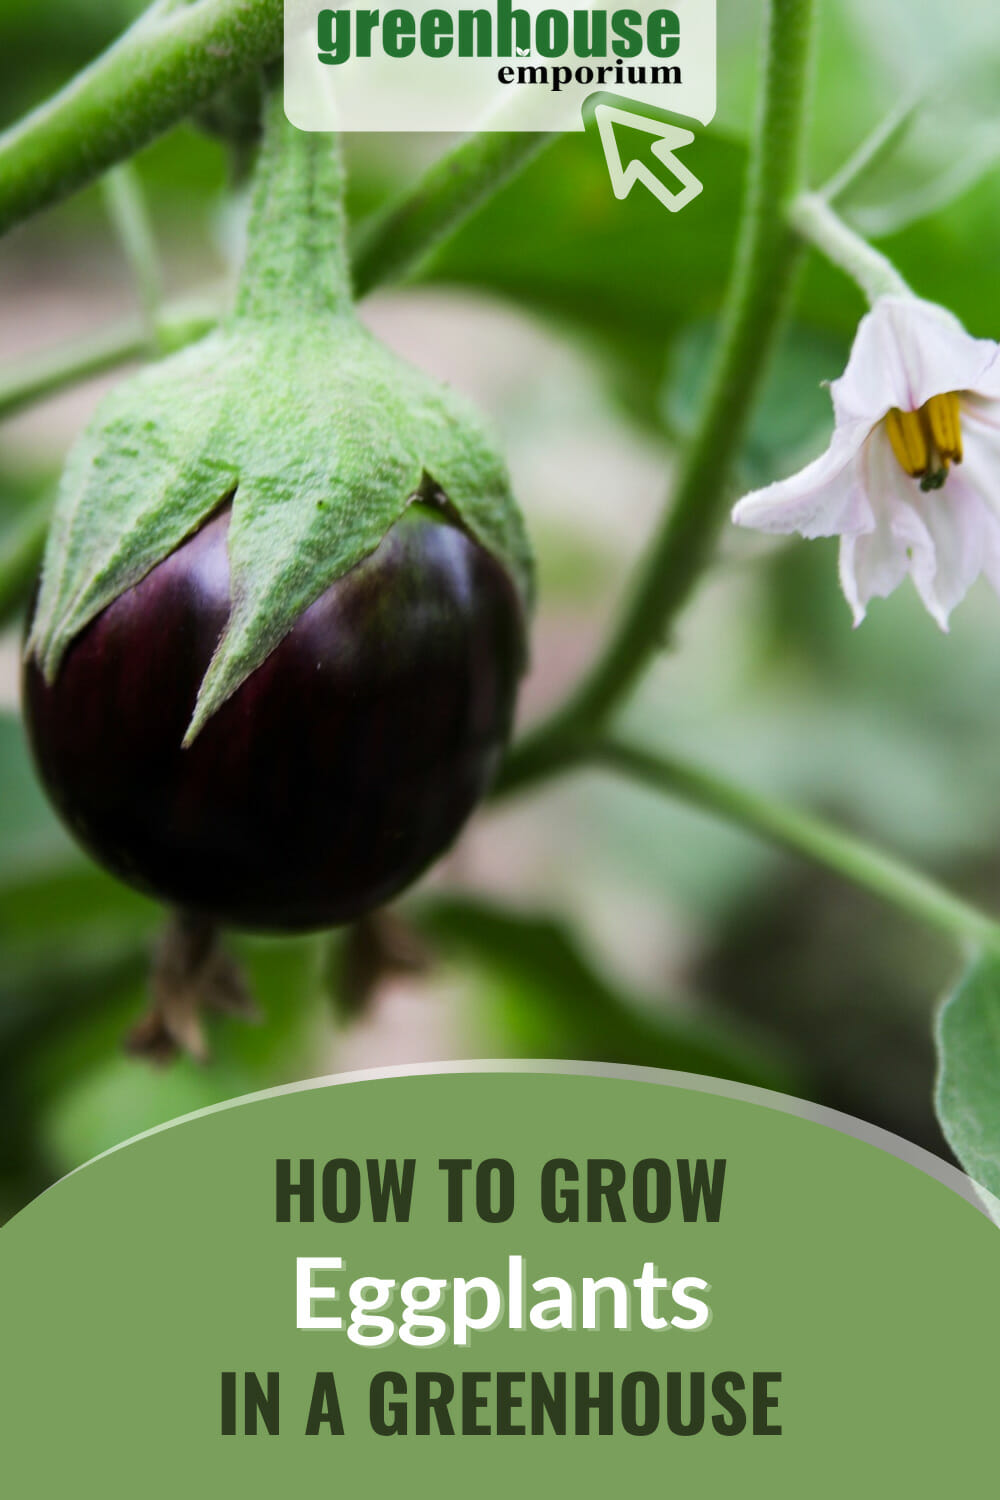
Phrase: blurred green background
x=593 y=921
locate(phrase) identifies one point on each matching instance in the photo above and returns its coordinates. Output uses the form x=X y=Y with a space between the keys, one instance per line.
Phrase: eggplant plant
x=277 y=621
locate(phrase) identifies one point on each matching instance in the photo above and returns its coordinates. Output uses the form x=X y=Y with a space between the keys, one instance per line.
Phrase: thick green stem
x=171 y=61
x=453 y=188
x=296 y=243
x=756 y=302
x=814 y=219
x=806 y=835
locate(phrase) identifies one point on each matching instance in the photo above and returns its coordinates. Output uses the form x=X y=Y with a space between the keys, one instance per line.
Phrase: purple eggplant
x=336 y=773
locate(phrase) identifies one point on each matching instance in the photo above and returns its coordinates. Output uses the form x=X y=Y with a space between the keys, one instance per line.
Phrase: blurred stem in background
x=806 y=835
x=452 y=189
x=874 y=149
x=127 y=210
x=41 y=375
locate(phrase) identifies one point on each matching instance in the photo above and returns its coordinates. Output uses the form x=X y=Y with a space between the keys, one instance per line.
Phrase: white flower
x=911 y=479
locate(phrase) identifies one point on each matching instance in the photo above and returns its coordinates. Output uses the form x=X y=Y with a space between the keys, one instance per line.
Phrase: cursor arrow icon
x=676 y=186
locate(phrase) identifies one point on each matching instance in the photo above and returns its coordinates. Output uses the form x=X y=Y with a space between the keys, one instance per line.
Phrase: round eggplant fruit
x=339 y=769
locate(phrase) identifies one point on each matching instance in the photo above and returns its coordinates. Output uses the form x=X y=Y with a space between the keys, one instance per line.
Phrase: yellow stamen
x=944 y=420
x=928 y=441
x=909 y=441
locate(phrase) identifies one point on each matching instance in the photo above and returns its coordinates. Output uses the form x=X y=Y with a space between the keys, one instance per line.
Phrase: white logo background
x=463 y=93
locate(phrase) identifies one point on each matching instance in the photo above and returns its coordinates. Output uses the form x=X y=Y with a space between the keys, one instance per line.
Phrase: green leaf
x=968 y=1090
x=546 y=998
x=61 y=899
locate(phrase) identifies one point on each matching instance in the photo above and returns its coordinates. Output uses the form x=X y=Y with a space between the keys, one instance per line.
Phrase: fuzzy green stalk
x=822 y=227
x=128 y=212
x=297 y=238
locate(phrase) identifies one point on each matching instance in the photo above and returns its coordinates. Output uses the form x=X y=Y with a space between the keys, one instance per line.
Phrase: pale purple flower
x=911 y=479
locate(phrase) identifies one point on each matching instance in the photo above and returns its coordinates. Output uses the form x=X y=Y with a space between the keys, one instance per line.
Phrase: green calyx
x=318 y=435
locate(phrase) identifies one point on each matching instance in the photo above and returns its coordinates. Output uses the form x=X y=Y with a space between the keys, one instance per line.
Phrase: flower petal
x=874 y=564
x=987 y=384
x=991 y=551
x=979 y=477
x=823 y=499
x=906 y=351
x=960 y=528
x=981 y=445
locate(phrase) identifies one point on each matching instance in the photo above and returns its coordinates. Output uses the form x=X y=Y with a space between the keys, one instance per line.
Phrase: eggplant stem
x=192 y=976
